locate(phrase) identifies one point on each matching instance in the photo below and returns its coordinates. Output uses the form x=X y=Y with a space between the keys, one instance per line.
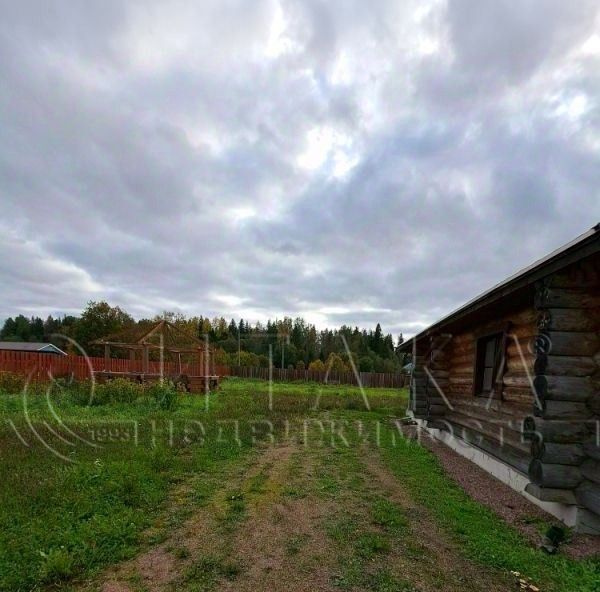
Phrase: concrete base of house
x=569 y=514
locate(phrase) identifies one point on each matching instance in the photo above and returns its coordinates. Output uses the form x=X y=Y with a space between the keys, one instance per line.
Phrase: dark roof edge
x=584 y=245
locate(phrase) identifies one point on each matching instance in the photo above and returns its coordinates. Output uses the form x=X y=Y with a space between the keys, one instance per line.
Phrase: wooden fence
x=367 y=379
x=42 y=367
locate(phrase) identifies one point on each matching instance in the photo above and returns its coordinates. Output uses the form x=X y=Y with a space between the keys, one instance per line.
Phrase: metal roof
x=29 y=346
x=584 y=245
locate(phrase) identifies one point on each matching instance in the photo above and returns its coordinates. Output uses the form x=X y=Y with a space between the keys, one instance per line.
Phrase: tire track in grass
x=281 y=545
x=386 y=542
x=212 y=515
x=436 y=562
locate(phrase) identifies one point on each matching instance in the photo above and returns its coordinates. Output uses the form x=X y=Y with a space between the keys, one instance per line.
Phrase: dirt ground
x=304 y=519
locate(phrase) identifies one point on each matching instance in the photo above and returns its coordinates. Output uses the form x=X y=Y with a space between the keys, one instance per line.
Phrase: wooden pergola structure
x=161 y=350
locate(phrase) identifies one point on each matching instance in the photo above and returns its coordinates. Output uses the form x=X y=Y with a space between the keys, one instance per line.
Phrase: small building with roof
x=30 y=346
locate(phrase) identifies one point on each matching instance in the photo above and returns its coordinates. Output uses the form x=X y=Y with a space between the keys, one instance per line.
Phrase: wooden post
x=145 y=359
x=106 y=357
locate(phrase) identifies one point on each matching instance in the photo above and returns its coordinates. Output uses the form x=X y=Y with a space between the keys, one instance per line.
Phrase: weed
x=204 y=573
x=294 y=544
x=57 y=565
x=387 y=514
x=384 y=581
x=181 y=552
x=370 y=544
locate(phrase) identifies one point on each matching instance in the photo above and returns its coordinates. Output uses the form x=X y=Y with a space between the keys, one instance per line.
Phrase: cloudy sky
x=344 y=160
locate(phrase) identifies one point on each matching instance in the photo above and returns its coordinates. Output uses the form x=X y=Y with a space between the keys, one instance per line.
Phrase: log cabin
x=511 y=380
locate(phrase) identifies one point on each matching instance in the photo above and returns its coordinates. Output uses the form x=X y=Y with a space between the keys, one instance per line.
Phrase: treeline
x=289 y=343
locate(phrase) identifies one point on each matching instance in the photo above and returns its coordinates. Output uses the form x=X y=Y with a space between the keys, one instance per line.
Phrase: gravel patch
x=510 y=505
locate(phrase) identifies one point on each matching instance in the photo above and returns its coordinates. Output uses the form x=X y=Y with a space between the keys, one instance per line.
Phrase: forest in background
x=291 y=343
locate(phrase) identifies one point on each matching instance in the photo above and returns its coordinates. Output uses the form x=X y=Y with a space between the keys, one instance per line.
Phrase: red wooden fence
x=44 y=366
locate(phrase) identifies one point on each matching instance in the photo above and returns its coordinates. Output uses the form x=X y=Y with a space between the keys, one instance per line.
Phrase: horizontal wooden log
x=437 y=400
x=457 y=390
x=563 y=388
x=437 y=409
x=495 y=429
x=588 y=522
x=582 y=275
x=438 y=366
x=461 y=349
x=556 y=476
x=466 y=369
x=461 y=379
x=594 y=404
x=561 y=432
x=566 y=298
x=438 y=373
x=568 y=319
x=549 y=494
x=567 y=343
x=433 y=393
x=588 y=496
x=590 y=469
x=564 y=365
x=516 y=379
x=562 y=410
x=591 y=447
x=479 y=437
x=440 y=354
x=518 y=395
x=462 y=338
x=461 y=359
x=560 y=454
x=526 y=316
x=520 y=365
x=522 y=332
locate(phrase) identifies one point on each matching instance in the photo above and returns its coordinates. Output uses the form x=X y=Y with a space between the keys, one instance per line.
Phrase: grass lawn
x=331 y=493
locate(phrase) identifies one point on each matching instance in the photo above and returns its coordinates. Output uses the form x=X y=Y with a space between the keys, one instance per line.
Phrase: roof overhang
x=50 y=347
x=583 y=246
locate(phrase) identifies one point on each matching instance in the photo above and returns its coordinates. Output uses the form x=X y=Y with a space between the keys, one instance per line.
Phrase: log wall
x=493 y=423
x=544 y=416
x=564 y=433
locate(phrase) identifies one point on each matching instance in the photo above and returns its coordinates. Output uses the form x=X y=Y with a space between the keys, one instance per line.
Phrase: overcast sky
x=348 y=161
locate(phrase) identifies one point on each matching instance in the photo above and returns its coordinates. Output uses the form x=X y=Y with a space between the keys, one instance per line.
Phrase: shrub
x=11 y=382
x=317 y=366
x=165 y=395
x=119 y=390
x=80 y=393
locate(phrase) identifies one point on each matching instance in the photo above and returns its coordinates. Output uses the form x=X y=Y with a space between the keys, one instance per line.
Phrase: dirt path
x=295 y=518
x=441 y=566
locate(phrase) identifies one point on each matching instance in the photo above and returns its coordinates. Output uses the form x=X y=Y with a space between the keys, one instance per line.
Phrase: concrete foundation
x=566 y=513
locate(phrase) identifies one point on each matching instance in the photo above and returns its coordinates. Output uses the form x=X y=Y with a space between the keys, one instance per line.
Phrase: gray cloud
x=343 y=161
